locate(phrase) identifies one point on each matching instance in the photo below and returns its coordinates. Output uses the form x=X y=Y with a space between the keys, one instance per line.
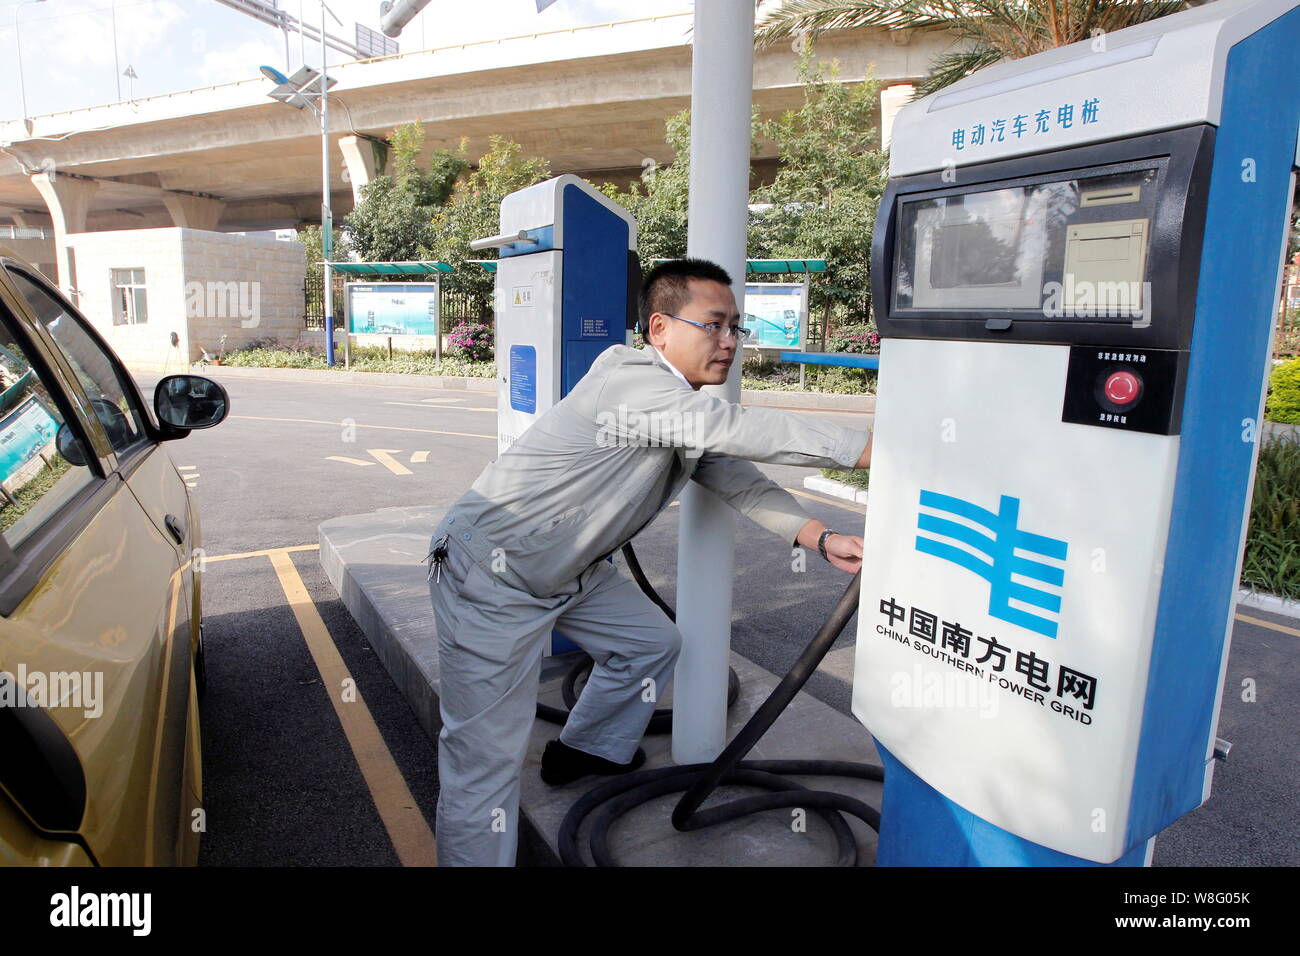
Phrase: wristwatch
x=821 y=541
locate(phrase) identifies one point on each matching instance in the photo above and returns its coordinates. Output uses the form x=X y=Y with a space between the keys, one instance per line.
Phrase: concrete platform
x=373 y=561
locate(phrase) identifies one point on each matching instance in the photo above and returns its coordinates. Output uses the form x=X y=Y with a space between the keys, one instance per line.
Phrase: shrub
x=1272 y=559
x=1284 y=394
x=860 y=338
x=472 y=341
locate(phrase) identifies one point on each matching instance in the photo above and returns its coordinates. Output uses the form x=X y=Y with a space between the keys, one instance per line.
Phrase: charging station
x=566 y=283
x=567 y=277
x=1075 y=269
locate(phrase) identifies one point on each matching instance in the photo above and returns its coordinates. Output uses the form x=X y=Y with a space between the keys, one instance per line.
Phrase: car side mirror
x=190 y=401
x=115 y=423
x=67 y=445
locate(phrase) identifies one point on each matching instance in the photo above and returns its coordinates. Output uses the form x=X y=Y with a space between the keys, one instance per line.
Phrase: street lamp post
x=296 y=91
x=327 y=215
x=18 y=42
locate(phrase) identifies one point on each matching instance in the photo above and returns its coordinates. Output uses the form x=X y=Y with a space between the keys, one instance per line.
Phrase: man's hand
x=864 y=460
x=842 y=550
x=845 y=552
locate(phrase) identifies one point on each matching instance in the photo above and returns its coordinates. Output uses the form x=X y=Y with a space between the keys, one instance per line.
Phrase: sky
x=69 y=60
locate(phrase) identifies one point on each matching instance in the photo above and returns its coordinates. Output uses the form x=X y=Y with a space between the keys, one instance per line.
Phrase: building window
x=129 y=307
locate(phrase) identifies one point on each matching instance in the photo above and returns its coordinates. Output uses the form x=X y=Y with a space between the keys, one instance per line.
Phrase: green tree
x=391 y=223
x=822 y=203
x=311 y=238
x=473 y=212
x=658 y=201
x=989 y=30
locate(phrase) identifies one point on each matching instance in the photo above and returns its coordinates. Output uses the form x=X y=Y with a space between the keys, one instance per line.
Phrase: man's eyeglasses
x=715 y=328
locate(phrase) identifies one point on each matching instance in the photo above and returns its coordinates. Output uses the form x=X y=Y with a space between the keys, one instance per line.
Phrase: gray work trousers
x=491 y=640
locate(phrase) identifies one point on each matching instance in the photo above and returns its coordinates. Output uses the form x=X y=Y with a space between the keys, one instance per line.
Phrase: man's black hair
x=667 y=287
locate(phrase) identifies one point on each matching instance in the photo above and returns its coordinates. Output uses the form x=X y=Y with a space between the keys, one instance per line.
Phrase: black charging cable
x=696 y=782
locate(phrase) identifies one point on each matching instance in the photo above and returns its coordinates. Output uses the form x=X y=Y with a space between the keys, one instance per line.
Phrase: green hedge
x=368 y=358
x=1284 y=394
x=1272 y=559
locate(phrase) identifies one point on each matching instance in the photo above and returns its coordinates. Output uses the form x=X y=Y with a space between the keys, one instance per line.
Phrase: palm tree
x=991 y=30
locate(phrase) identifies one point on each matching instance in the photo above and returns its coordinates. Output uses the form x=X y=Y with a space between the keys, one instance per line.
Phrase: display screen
x=1069 y=248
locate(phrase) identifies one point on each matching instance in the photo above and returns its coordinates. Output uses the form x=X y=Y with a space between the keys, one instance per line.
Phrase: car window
x=117 y=412
x=36 y=477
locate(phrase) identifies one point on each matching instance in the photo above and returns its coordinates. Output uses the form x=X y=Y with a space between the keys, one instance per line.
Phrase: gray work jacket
x=595 y=468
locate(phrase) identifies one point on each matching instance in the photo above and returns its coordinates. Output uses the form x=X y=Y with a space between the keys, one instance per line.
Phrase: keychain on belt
x=439 y=555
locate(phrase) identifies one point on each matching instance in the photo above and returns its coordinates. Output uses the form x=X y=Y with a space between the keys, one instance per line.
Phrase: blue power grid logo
x=999 y=546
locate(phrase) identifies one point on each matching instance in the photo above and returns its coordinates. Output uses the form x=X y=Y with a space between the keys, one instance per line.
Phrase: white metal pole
x=327 y=216
x=18 y=42
x=722 y=81
x=117 y=67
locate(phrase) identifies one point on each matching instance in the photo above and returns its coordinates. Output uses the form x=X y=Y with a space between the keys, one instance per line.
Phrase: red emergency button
x=1123 y=388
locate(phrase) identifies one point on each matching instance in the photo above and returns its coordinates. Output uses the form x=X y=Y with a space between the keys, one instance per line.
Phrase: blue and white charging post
x=566 y=283
x=1076 y=265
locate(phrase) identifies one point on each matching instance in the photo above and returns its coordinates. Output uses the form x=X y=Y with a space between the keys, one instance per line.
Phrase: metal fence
x=1286 y=341
x=453 y=307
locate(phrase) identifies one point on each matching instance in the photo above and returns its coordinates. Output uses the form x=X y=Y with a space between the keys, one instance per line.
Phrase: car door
x=113 y=598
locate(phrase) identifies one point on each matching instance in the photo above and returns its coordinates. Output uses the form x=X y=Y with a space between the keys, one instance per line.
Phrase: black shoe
x=563 y=764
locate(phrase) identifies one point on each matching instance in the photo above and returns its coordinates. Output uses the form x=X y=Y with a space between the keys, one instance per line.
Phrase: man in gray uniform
x=523 y=551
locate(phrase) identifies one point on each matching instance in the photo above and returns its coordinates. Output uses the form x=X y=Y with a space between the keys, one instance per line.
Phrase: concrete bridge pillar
x=194 y=212
x=892 y=99
x=68 y=200
x=24 y=219
x=359 y=161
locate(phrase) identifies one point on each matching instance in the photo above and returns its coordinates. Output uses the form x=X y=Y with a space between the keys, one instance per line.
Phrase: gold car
x=100 y=618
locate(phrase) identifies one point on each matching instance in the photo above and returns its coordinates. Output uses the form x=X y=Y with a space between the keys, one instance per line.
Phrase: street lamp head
x=272 y=74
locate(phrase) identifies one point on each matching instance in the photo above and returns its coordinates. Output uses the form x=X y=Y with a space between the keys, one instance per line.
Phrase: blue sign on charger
x=523 y=378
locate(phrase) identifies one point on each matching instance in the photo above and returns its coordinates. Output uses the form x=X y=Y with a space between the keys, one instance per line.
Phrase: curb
x=835 y=489
x=1272 y=603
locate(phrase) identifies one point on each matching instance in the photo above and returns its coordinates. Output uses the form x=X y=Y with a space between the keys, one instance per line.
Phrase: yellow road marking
x=1269 y=624
x=419 y=456
x=385 y=457
x=837 y=502
x=406 y=826
x=396 y=428
x=349 y=461
x=186 y=467
x=458 y=408
x=262 y=553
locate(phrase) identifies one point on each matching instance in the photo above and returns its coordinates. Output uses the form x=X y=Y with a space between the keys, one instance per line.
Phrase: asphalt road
x=281 y=783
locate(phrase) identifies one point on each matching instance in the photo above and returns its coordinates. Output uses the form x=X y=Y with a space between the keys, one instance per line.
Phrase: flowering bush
x=860 y=338
x=471 y=340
